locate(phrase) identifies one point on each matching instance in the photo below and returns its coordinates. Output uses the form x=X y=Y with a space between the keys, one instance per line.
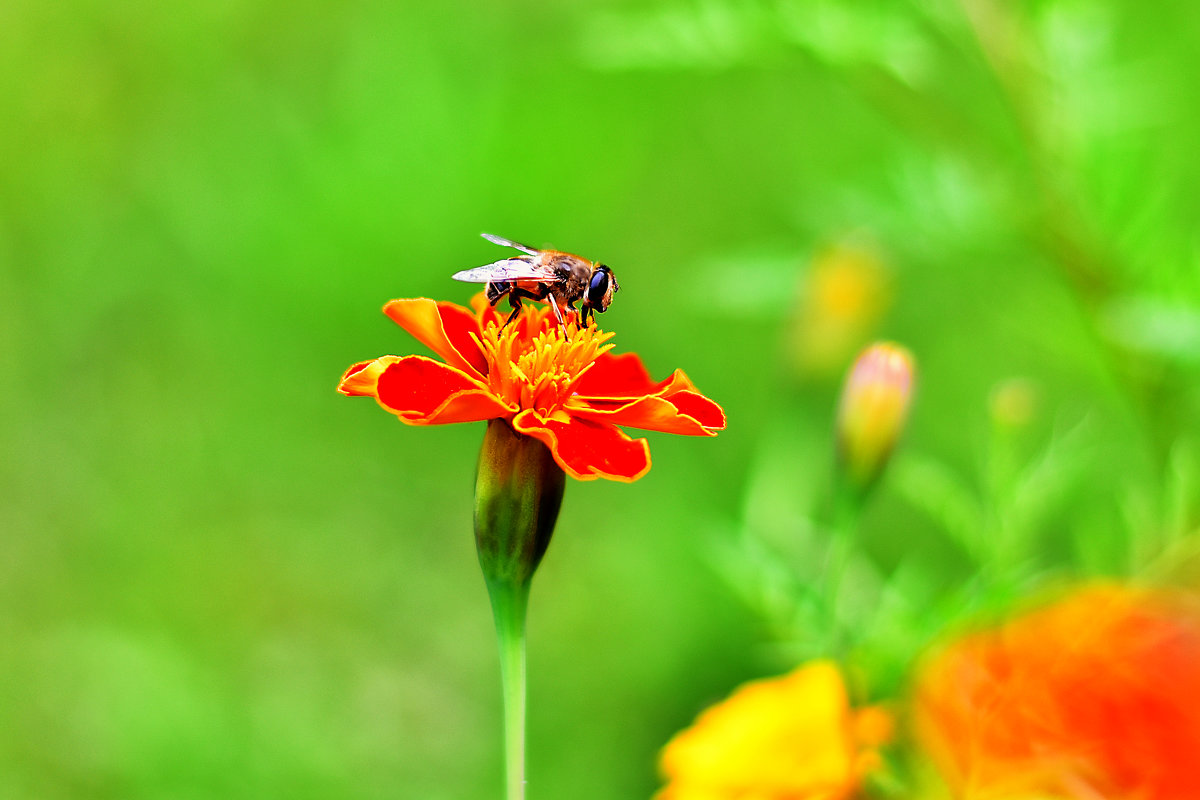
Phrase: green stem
x=847 y=503
x=518 y=491
x=509 y=604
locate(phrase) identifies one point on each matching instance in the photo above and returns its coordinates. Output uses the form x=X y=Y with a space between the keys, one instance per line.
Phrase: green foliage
x=219 y=579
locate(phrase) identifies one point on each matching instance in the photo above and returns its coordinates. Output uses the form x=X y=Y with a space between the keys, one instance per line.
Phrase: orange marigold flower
x=569 y=393
x=1095 y=696
x=793 y=737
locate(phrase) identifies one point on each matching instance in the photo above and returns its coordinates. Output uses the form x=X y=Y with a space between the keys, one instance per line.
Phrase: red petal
x=699 y=408
x=625 y=376
x=445 y=328
x=422 y=391
x=587 y=450
x=685 y=413
x=621 y=375
x=360 y=379
x=678 y=382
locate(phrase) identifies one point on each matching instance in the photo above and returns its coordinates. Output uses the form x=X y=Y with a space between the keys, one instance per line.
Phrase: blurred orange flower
x=789 y=738
x=1096 y=696
x=570 y=394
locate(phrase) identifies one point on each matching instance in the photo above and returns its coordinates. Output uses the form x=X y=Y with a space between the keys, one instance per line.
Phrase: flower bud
x=872 y=412
x=518 y=491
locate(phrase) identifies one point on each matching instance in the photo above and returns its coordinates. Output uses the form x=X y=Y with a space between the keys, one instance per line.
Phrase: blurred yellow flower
x=794 y=737
x=843 y=295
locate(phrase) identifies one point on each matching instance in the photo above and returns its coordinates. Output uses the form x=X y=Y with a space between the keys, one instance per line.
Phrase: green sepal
x=518 y=492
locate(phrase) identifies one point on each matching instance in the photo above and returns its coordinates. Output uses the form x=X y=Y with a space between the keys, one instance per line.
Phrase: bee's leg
x=514 y=300
x=559 y=315
x=515 y=293
x=556 y=301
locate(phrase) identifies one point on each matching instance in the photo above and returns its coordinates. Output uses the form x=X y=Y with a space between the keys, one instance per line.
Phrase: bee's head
x=601 y=288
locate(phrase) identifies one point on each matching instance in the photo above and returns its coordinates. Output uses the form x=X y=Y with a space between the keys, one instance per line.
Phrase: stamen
x=532 y=365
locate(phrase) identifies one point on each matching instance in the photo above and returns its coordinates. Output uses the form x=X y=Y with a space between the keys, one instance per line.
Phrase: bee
x=552 y=275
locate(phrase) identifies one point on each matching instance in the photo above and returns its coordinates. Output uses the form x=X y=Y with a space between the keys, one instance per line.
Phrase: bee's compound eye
x=600 y=289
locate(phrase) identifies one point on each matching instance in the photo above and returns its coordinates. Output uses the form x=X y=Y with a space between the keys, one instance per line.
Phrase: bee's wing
x=500 y=240
x=510 y=269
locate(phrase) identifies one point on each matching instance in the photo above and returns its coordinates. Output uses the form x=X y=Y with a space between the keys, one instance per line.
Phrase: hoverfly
x=540 y=274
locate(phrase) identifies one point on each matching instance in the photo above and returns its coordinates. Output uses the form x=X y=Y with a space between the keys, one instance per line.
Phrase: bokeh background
x=220 y=579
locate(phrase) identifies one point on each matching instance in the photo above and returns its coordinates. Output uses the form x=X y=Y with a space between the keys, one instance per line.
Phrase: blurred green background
x=220 y=579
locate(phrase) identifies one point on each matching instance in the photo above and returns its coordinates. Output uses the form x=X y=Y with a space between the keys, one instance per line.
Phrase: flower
x=794 y=737
x=1094 y=696
x=552 y=398
x=843 y=295
x=872 y=411
x=568 y=392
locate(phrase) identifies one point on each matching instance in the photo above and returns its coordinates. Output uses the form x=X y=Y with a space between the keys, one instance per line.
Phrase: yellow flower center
x=540 y=371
